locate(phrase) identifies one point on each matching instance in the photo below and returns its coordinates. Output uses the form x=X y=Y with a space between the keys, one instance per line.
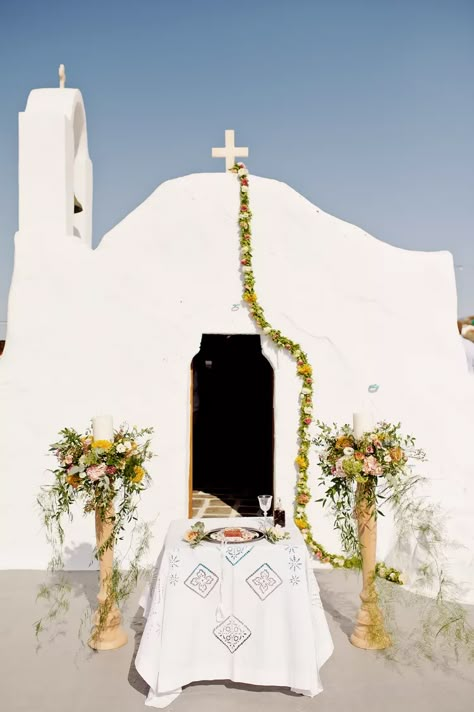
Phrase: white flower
x=242 y=172
x=307 y=410
x=246 y=269
x=267 y=329
x=305 y=391
x=348 y=451
x=402 y=578
x=392 y=577
x=297 y=354
x=244 y=248
x=244 y=188
x=387 y=458
x=121 y=448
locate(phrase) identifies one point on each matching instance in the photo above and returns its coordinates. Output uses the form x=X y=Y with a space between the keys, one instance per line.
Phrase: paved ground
x=65 y=676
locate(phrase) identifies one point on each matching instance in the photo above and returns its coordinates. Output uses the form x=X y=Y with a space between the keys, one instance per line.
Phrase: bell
x=77 y=206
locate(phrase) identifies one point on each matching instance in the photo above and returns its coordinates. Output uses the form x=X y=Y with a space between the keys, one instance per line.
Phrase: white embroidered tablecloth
x=248 y=613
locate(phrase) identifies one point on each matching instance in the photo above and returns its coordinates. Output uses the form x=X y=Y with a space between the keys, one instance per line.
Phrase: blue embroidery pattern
x=264 y=581
x=233 y=633
x=236 y=552
x=174 y=561
x=294 y=562
x=174 y=579
x=202 y=580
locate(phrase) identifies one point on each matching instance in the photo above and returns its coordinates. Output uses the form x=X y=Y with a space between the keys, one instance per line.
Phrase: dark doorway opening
x=232 y=436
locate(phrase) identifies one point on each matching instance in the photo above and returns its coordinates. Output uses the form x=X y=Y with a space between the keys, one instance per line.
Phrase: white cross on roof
x=230 y=151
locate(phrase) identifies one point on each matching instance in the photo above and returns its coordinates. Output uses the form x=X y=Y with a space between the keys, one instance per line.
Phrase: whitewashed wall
x=114 y=331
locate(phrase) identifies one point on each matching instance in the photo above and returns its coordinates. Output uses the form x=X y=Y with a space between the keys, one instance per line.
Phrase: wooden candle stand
x=108 y=633
x=369 y=632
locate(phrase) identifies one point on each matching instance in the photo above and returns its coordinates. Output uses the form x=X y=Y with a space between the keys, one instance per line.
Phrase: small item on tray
x=233 y=533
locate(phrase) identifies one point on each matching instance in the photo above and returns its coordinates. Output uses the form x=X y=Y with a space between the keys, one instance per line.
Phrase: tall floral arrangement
x=378 y=462
x=97 y=474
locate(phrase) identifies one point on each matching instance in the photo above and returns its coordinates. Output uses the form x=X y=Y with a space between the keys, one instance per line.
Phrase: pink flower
x=339 y=471
x=243 y=208
x=243 y=262
x=244 y=181
x=371 y=466
x=307 y=421
x=95 y=472
x=68 y=460
x=377 y=443
x=111 y=470
x=370 y=449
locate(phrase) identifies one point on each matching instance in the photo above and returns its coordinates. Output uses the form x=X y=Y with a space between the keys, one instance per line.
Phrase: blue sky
x=366 y=107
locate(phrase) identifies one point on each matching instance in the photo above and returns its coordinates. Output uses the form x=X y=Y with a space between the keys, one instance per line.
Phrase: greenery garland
x=304 y=372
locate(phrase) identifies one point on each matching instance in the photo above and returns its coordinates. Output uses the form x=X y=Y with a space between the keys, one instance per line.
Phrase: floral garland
x=303 y=370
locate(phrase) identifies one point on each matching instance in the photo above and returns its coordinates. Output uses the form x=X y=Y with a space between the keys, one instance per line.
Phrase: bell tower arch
x=55 y=170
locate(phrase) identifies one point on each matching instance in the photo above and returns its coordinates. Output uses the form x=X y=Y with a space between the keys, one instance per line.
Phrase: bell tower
x=55 y=171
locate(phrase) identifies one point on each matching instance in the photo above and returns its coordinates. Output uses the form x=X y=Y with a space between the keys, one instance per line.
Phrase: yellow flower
x=250 y=297
x=301 y=523
x=396 y=453
x=139 y=473
x=301 y=461
x=305 y=369
x=343 y=442
x=102 y=444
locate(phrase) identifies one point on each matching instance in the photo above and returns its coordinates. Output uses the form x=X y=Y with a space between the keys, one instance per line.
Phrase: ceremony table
x=249 y=613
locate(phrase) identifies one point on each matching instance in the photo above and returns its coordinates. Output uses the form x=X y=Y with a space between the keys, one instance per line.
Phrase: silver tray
x=257 y=534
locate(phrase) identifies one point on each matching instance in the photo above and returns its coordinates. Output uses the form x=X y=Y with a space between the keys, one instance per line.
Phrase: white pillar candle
x=361 y=423
x=103 y=427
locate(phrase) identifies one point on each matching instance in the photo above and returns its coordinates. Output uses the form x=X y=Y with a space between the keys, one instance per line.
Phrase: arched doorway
x=232 y=426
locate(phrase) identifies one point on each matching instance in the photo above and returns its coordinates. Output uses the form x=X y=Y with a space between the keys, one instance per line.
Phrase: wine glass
x=265 y=502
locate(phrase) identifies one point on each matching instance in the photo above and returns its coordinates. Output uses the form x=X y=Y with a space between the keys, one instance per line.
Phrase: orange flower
x=73 y=480
x=303 y=499
x=359 y=455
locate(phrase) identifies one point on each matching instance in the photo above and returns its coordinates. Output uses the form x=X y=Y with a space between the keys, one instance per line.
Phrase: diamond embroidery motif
x=264 y=581
x=233 y=633
x=236 y=552
x=201 y=581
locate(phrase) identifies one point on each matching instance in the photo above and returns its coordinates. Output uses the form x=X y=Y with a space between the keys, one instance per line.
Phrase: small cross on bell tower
x=62 y=76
